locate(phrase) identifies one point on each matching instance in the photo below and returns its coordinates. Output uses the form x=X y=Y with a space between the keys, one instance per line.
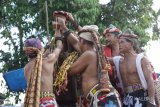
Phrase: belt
x=47 y=94
x=133 y=88
x=94 y=92
x=92 y=96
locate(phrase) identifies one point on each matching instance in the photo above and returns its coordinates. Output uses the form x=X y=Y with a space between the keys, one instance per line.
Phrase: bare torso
x=46 y=76
x=86 y=65
x=89 y=76
x=129 y=72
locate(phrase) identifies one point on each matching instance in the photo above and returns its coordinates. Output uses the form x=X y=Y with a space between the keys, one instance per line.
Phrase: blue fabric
x=15 y=80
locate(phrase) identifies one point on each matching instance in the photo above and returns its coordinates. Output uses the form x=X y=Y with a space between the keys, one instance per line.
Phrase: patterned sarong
x=48 y=102
x=137 y=98
x=101 y=99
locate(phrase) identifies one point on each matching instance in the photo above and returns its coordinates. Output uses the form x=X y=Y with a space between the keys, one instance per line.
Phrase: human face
x=124 y=46
x=110 y=38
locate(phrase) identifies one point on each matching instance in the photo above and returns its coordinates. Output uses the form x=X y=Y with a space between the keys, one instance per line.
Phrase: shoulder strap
x=116 y=60
x=140 y=71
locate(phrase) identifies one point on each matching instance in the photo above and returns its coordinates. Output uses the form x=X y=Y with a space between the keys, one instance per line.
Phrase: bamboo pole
x=47 y=26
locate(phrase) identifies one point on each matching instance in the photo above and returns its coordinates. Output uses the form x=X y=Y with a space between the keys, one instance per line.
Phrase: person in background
x=111 y=49
x=135 y=73
x=86 y=66
x=39 y=73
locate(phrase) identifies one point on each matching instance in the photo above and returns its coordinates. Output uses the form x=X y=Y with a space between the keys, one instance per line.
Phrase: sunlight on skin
x=152 y=51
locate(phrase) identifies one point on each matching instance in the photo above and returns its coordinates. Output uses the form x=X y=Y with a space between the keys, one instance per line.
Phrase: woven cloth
x=32 y=98
x=157 y=86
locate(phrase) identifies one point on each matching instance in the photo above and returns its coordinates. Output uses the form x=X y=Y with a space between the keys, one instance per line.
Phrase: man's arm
x=54 y=56
x=73 y=22
x=81 y=63
x=148 y=76
x=73 y=41
x=26 y=73
x=71 y=38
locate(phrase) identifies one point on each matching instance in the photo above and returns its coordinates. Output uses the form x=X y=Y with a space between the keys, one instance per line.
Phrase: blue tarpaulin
x=15 y=80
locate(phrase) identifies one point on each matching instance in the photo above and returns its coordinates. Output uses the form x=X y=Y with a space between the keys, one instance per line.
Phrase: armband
x=58 y=38
x=66 y=34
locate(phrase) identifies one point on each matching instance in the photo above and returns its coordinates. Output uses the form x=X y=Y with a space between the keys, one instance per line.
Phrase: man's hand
x=60 y=20
x=73 y=21
x=61 y=14
x=69 y=17
x=63 y=27
x=55 y=25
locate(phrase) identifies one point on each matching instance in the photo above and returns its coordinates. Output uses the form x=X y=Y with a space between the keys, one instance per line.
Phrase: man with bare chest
x=128 y=70
x=44 y=85
x=87 y=66
x=111 y=49
x=138 y=86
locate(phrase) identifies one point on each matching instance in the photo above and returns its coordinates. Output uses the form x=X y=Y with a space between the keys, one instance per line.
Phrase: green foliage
x=156 y=29
x=29 y=16
x=85 y=11
x=134 y=14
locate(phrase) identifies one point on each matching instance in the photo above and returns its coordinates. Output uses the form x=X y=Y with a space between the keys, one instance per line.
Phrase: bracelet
x=58 y=38
x=66 y=34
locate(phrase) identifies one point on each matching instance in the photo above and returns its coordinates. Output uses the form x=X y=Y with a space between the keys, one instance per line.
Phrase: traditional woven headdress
x=32 y=97
x=131 y=37
x=112 y=29
x=87 y=32
x=34 y=43
x=90 y=33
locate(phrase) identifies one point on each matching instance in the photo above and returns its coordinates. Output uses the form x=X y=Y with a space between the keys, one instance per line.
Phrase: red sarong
x=48 y=102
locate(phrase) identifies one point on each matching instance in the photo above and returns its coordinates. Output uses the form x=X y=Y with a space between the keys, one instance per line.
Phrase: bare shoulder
x=146 y=65
x=87 y=57
x=50 y=57
x=89 y=54
x=26 y=67
x=145 y=60
x=83 y=62
x=26 y=70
